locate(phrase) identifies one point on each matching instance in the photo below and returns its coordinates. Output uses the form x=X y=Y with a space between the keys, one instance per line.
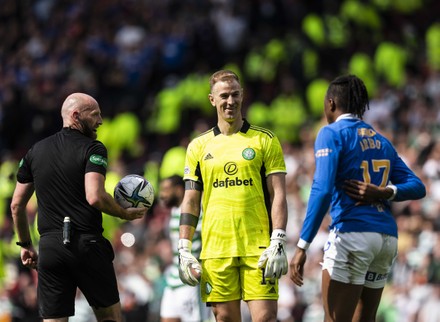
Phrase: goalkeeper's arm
x=190 y=210
x=189 y=217
x=190 y=269
x=276 y=184
x=274 y=258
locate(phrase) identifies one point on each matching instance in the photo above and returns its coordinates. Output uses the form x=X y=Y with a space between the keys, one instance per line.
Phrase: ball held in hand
x=134 y=191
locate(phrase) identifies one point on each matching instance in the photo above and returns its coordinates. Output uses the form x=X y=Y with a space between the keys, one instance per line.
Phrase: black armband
x=193 y=185
x=188 y=219
x=24 y=244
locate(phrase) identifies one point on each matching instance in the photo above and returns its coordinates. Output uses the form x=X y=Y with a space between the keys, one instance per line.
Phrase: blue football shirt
x=351 y=149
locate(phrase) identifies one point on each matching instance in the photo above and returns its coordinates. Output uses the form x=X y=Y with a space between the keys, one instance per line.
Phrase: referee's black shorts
x=87 y=263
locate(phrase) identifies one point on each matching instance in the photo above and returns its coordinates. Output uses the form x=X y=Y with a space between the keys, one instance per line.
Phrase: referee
x=67 y=172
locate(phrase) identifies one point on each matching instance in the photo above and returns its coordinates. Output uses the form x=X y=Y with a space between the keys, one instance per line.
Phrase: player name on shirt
x=368 y=142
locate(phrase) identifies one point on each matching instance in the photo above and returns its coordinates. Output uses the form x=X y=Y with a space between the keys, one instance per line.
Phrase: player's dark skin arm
x=366 y=192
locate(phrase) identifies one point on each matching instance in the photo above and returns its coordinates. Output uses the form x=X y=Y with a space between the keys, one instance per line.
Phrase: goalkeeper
x=236 y=172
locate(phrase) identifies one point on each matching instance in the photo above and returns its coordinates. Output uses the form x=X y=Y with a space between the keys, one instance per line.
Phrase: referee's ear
x=75 y=115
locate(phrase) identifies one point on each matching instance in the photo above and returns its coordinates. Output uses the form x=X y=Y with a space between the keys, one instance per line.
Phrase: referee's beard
x=86 y=129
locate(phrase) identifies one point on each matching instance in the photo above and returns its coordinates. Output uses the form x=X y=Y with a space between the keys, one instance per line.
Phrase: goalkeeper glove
x=189 y=267
x=274 y=259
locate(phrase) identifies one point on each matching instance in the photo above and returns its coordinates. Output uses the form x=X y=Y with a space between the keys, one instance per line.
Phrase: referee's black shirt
x=57 y=166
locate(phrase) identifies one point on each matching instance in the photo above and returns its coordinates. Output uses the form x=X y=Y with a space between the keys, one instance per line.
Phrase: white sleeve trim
x=303 y=244
x=394 y=191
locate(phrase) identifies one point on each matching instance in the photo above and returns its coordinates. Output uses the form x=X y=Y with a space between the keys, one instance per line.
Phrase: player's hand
x=364 y=193
x=297 y=266
x=189 y=267
x=274 y=259
x=135 y=213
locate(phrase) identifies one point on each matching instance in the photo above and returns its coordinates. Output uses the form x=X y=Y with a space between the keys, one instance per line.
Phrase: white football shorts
x=183 y=302
x=361 y=258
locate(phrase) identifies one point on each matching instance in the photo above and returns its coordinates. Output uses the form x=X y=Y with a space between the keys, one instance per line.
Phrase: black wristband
x=193 y=185
x=188 y=219
x=24 y=244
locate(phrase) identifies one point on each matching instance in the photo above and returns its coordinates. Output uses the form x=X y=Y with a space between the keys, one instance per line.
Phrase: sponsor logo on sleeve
x=323 y=152
x=98 y=160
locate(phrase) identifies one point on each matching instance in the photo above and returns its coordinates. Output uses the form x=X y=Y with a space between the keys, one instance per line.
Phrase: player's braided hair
x=350 y=93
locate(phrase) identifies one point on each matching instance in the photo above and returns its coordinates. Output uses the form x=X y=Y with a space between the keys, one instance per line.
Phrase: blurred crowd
x=147 y=63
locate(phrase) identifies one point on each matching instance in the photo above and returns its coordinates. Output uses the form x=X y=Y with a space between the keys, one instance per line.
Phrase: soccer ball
x=134 y=191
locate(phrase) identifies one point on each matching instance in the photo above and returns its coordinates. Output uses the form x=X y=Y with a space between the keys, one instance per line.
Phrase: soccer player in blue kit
x=358 y=172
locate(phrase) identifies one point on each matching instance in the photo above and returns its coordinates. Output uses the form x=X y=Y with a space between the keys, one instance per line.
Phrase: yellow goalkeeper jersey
x=235 y=201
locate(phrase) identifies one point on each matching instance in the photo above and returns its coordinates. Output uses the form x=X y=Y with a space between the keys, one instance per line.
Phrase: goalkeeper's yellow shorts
x=235 y=278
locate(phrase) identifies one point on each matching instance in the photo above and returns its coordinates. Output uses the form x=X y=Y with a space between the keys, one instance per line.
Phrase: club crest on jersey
x=248 y=153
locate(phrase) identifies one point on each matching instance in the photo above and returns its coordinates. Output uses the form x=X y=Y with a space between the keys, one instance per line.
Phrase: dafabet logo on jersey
x=231 y=169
